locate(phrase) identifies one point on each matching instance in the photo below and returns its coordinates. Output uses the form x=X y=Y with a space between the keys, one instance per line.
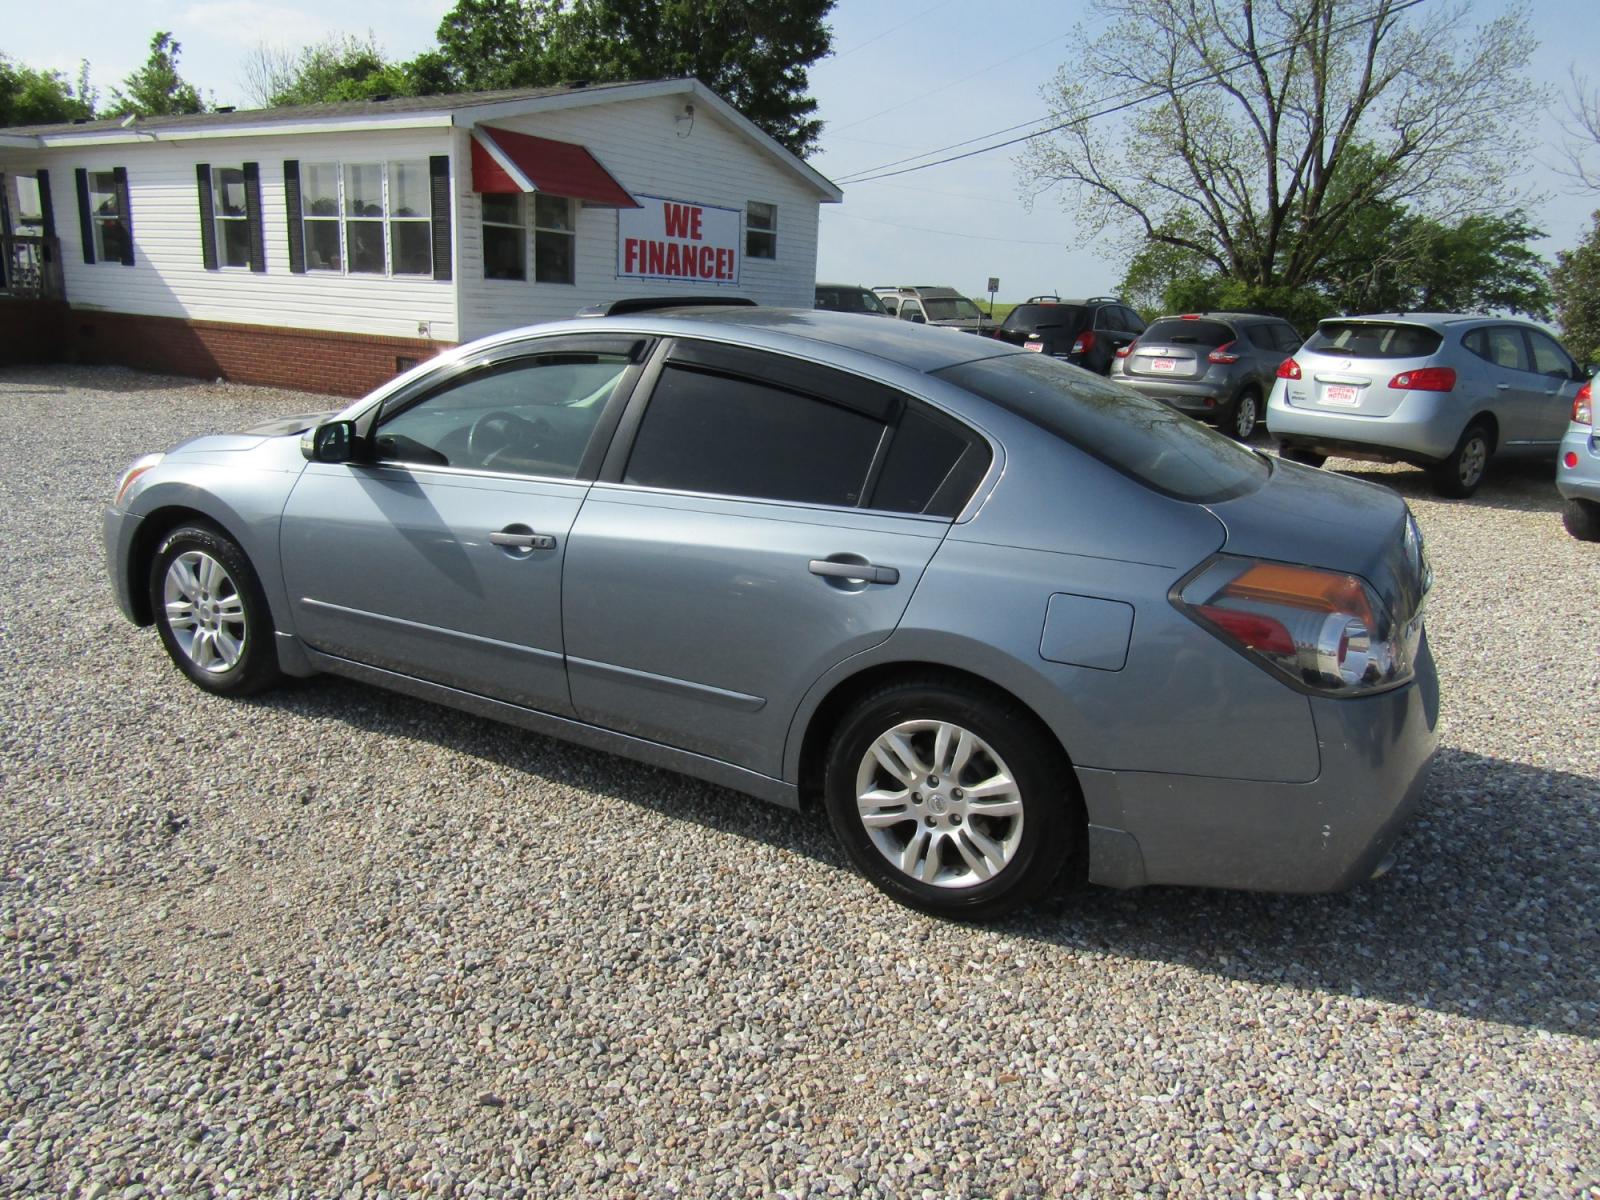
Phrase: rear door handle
x=523 y=541
x=1504 y=387
x=848 y=570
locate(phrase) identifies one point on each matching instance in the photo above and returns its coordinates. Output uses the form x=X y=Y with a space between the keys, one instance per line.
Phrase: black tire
x=1458 y=476
x=1307 y=458
x=226 y=644
x=1582 y=519
x=1243 y=417
x=1031 y=855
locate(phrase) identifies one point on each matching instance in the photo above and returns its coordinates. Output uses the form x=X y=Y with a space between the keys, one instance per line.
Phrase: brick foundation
x=339 y=364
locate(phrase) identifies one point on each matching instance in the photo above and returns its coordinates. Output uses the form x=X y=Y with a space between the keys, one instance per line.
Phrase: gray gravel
x=339 y=943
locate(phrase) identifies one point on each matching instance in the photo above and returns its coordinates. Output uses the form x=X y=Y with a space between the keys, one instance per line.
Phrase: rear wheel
x=211 y=613
x=952 y=800
x=1458 y=476
x=1242 y=419
x=1582 y=519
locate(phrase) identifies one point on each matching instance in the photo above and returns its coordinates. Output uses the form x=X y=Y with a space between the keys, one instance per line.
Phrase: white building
x=326 y=247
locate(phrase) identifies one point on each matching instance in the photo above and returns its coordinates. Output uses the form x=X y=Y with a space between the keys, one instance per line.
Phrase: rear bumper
x=1188 y=396
x=117 y=530
x=1581 y=482
x=1324 y=836
x=1421 y=430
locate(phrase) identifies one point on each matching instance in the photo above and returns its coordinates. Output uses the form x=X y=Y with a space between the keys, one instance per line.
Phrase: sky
x=906 y=76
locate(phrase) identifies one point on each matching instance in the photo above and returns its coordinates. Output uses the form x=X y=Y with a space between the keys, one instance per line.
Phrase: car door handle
x=1504 y=387
x=523 y=541
x=849 y=570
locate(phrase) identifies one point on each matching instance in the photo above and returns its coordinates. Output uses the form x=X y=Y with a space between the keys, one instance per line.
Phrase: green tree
x=1575 y=285
x=341 y=67
x=156 y=89
x=1273 y=129
x=754 y=53
x=30 y=97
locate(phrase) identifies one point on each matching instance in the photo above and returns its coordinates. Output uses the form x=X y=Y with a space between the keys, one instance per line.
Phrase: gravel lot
x=339 y=943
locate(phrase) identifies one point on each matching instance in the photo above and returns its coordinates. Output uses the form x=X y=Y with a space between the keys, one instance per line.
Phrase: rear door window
x=1503 y=346
x=1374 y=339
x=1131 y=321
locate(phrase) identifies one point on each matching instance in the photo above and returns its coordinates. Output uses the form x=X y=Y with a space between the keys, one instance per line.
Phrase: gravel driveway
x=339 y=943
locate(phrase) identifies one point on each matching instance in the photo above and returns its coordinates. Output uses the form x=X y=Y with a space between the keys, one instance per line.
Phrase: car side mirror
x=331 y=442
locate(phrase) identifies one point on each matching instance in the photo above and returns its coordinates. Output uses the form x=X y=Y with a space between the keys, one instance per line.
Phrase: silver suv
x=942 y=306
x=1578 y=476
x=1441 y=391
x=1217 y=367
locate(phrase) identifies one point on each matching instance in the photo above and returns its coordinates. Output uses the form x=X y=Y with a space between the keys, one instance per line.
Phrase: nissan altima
x=1010 y=626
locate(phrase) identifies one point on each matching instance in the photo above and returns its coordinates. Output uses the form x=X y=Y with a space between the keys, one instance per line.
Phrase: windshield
x=1374 y=339
x=959 y=308
x=849 y=299
x=1140 y=437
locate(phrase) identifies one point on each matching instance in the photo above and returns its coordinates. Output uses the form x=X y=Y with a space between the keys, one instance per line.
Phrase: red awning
x=503 y=161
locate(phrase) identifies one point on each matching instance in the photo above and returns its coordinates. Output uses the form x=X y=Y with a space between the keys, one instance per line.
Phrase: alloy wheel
x=205 y=612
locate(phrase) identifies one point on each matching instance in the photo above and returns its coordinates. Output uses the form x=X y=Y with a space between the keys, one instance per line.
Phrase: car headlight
x=139 y=467
x=1324 y=631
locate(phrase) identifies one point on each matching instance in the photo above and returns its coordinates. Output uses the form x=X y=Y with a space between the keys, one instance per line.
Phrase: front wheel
x=1458 y=476
x=952 y=800
x=211 y=613
x=1582 y=519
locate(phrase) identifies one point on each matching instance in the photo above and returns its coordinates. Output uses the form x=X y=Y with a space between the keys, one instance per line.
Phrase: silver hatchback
x=1010 y=626
x=1441 y=391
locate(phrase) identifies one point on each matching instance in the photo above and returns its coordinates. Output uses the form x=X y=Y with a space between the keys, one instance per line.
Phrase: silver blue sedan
x=1011 y=626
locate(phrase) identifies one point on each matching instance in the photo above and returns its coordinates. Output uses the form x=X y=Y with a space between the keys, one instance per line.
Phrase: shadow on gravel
x=1520 y=485
x=46 y=380
x=1491 y=912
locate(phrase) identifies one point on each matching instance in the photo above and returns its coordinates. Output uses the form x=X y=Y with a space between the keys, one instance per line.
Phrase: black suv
x=1218 y=366
x=1087 y=333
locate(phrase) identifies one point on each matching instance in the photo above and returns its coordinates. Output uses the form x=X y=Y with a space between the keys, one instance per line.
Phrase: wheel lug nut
x=955 y=818
x=933 y=781
x=931 y=822
x=958 y=794
x=916 y=797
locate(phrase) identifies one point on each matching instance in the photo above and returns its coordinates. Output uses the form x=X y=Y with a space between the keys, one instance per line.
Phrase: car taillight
x=1288 y=369
x=1323 y=630
x=1083 y=343
x=1425 y=379
x=1128 y=349
x=1223 y=354
x=1583 y=404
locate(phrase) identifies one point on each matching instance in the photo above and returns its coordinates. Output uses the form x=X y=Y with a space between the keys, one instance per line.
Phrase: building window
x=554 y=239
x=105 y=209
x=368 y=218
x=231 y=216
x=30 y=206
x=761 y=230
x=505 y=240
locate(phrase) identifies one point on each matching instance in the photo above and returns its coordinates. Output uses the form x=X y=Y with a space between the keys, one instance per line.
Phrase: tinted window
x=1131 y=321
x=1140 y=437
x=1374 y=339
x=1548 y=357
x=1264 y=337
x=533 y=416
x=931 y=466
x=958 y=308
x=909 y=309
x=846 y=299
x=1287 y=337
x=1176 y=331
x=1031 y=316
x=704 y=432
x=1501 y=345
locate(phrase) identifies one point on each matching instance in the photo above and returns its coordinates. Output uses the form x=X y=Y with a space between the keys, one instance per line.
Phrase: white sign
x=994 y=284
x=678 y=240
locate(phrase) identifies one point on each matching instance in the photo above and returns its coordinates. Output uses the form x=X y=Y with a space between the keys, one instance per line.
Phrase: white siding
x=638 y=142
x=169 y=279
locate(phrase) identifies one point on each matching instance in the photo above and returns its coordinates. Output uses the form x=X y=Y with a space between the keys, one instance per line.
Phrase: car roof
x=1435 y=321
x=1221 y=316
x=919 y=347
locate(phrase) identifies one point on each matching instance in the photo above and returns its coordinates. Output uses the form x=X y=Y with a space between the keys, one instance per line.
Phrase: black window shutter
x=85 y=222
x=120 y=176
x=208 y=226
x=439 y=187
x=252 y=216
x=43 y=178
x=291 y=202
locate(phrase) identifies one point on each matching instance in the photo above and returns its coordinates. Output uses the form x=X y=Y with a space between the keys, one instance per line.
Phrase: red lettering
x=677 y=217
x=724 y=264
x=694 y=222
x=708 y=262
x=653 y=266
x=630 y=255
x=674 y=266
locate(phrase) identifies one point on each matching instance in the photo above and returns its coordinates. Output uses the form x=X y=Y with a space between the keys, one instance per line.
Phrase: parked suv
x=1442 y=391
x=850 y=298
x=942 y=306
x=1086 y=333
x=1578 y=476
x=1219 y=367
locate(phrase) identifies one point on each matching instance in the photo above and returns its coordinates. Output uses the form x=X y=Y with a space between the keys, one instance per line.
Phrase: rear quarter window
x=1140 y=437
x=1374 y=339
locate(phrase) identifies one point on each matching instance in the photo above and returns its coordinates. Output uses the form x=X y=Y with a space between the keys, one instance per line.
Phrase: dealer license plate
x=1163 y=364
x=1036 y=347
x=1339 y=393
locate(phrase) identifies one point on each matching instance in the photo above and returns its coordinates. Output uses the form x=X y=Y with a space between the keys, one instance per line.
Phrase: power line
x=976 y=237
x=926 y=12
x=870 y=174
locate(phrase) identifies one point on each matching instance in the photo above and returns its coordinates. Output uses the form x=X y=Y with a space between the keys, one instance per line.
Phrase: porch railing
x=30 y=267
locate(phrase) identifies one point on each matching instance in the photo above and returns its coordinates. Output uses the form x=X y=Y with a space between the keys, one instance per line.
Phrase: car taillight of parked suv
x=1443 y=391
x=1578 y=469
x=1218 y=367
